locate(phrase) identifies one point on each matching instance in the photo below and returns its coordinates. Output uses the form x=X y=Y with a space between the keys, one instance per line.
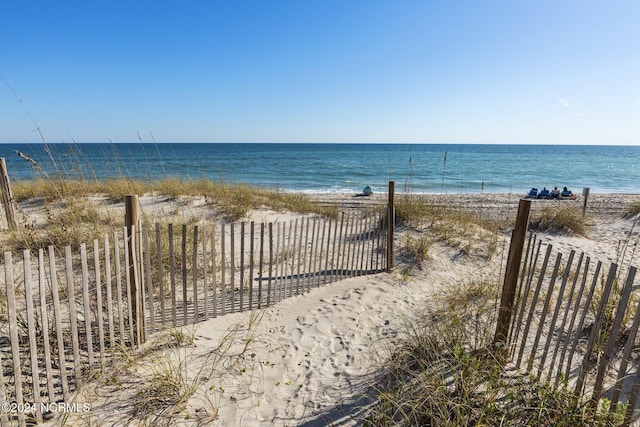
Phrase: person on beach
x=544 y=193
x=555 y=193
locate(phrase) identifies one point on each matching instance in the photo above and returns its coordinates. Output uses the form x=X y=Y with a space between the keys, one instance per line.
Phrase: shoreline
x=600 y=206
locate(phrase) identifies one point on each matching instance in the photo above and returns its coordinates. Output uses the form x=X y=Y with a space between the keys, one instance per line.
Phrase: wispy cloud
x=571 y=116
x=564 y=102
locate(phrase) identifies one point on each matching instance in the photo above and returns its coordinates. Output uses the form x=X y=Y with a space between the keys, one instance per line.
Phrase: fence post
x=511 y=274
x=7 y=196
x=131 y=217
x=391 y=223
x=585 y=196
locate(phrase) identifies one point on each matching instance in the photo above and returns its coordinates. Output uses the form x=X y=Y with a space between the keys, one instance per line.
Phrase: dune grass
x=452 y=225
x=75 y=211
x=442 y=372
x=565 y=219
x=633 y=208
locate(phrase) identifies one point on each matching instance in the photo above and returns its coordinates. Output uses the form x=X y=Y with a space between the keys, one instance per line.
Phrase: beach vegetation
x=79 y=211
x=443 y=371
x=457 y=227
x=633 y=208
x=559 y=220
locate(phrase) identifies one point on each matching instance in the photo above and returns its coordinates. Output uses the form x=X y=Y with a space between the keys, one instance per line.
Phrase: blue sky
x=495 y=71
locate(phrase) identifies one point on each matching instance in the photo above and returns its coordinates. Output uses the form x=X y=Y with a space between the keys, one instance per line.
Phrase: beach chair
x=544 y=194
x=533 y=193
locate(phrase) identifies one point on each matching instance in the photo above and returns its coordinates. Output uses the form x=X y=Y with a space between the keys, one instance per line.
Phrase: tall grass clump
x=455 y=226
x=443 y=372
x=564 y=219
x=633 y=208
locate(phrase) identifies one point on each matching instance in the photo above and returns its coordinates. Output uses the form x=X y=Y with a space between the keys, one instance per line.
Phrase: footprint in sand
x=337 y=344
x=300 y=339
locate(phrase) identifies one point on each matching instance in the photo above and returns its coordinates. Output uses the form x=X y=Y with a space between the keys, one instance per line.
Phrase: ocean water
x=343 y=168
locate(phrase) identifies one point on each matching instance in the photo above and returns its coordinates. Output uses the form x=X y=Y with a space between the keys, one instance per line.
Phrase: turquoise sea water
x=346 y=168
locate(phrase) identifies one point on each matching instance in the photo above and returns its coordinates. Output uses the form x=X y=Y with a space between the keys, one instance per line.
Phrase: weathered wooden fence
x=575 y=323
x=64 y=313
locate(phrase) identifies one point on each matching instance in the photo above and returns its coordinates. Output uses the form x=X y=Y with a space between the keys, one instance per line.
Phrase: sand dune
x=309 y=360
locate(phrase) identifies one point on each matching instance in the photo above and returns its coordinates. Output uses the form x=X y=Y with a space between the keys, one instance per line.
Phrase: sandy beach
x=310 y=360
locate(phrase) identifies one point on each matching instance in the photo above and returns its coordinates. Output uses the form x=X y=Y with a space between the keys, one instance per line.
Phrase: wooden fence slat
x=360 y=245
x=321 y=273
x=194 y=274
x=232 y=267
x=534 y=301
x=99 y=320
x=357 y=243
x=160 y=275
x=140 y=279
x=172 y=275
x=351 y=245
x=374 y=238
x=312 y=253
x=583 y=316
x=354 y=243
x=13 y=333
x=86 y=303
x=109 y=284
x=284 y=269
x=533 y=261
x=612 y=339
x=344 y=265
x=270 y=264
x=516 y=306
x=185 y=319
x=365 y=240
x=317 y=259
x=379 y=230
x=304 y=244
x=42 y=290
x=556 y=312
x=278 y=267
x=290 y=255
x=337 y=235
x=57 y=315
x=127 y=260
x=327 y=274
x=223 y=263
x=545 y=308
x=214 y=269
x=31 y=323
x=299 y=247
x=148 y=276
x=364 y=235
x=260 y=266
x=251 y=262
x=565 y=335
x=116 y=257
x=205 y=272
x=242 y=278
x=626 y=354
x=138 y=286
x=595 y=331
